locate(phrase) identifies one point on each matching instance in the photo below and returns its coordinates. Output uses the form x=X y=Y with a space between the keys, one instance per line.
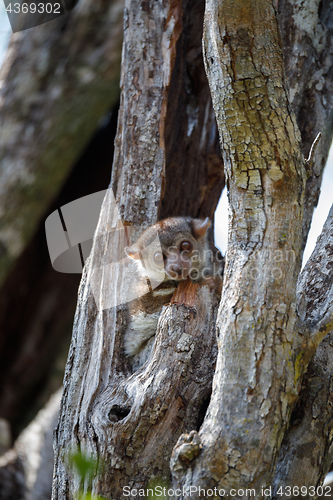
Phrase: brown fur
x=171 y=250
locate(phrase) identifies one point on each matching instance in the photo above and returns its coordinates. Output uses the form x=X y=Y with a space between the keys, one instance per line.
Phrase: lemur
x=171 y=250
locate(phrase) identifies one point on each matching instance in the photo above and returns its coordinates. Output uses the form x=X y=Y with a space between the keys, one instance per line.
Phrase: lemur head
x=175 y=246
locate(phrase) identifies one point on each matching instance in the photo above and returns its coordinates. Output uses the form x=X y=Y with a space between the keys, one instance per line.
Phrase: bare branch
x=306 y=452
x=310 y=432
x=315 y=286
x=306 y=32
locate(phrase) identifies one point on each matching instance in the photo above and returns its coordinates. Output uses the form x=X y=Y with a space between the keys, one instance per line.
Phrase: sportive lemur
x=167 y=252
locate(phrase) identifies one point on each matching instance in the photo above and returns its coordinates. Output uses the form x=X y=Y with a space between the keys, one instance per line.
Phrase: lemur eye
x=158 y=257
x=186 y=246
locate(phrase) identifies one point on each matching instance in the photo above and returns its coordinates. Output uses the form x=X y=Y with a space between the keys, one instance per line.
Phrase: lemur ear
x=133 y=252
x=199 y=227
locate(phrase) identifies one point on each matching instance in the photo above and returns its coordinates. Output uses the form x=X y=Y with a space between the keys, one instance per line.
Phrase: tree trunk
x=256 y=380
x=307 y=44
x=306 y=32
x=167 y=143
x=309 y=437
x=26 y=469
x=130 y=422
x=36 y=321
x=71 y=75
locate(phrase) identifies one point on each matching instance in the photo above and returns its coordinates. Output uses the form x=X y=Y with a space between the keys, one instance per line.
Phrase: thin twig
x=309 y=161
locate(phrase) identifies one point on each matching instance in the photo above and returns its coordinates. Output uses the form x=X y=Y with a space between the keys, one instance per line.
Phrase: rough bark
x=306 y=452
x=306 y=31
x=71 y=75
x=258 y=374
x=191 y=128
x=192 y=176
x=307 y=40
x=131 y=421
x=320 y=39
x=263 y=346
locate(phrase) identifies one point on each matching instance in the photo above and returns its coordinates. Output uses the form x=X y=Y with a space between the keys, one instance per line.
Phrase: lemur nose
x=176 y=268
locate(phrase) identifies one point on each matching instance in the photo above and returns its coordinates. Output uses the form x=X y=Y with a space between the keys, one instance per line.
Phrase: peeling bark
x=256 y=380
x=306 y=30
x=307 y=453
x=132 y=421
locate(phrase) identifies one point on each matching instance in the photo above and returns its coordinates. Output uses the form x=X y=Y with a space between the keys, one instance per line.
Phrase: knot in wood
x=188 y=447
